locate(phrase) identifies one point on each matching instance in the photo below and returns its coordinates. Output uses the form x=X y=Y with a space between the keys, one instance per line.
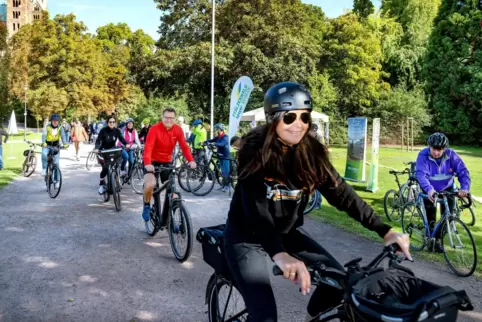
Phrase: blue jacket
x=222 y=143
x=431 y=176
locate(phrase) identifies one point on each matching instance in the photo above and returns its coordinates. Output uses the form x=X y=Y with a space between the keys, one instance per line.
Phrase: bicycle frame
x=431 y=233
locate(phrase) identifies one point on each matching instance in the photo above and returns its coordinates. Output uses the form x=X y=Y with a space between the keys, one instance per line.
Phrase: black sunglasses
x=289 y=118
x=111 y=122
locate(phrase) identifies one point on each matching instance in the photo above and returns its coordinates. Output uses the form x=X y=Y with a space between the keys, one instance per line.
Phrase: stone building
x=16 y=13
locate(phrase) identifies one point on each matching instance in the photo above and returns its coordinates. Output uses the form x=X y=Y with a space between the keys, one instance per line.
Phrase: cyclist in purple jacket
x=436 y=168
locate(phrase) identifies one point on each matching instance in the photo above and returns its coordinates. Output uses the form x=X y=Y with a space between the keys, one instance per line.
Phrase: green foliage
x=363 y=8
x=152 y=108
x=394 y=108
x=453 y=71
x=352 y=56
x=4 y=74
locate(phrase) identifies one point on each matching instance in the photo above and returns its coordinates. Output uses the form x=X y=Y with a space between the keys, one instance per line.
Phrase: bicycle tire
x=91 y=159
x=466 y=215
x=51 y=182
x=212 y=292
x=472 y=243
x=313 y=200
x=203 y=172
x=137 y=176
x=392 y=206
x=154 y=217
x=114 y=179
x=182 y=175
x=409 y=209
x=29 y=165
x=185 y=227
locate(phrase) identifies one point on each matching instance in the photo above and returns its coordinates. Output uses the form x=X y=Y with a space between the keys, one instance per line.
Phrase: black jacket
x=108 y=137
x=263 y=209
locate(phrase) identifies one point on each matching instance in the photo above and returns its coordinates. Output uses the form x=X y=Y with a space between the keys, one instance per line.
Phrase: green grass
x=13 y=166
x=393 y=157
x=30 y=136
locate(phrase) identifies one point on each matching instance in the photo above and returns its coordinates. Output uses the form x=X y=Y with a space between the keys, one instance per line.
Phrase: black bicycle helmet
x=438 y=141
x=286 y=96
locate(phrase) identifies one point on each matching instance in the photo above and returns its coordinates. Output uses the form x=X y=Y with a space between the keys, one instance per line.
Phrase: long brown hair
x=262 y=151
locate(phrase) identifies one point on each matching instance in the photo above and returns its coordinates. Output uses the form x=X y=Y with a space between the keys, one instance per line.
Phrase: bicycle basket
x=394 y=295
x=112 y=156
x=211 y=239
x=25 y=153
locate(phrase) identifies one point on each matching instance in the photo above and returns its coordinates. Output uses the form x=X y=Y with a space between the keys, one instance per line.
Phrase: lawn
x=392 y=157
x=13 y=159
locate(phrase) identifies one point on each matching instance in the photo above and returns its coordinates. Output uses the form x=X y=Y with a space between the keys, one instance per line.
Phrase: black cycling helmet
x=438 y=141
x=286 y=96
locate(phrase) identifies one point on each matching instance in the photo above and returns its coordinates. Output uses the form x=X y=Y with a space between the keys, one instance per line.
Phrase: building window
x=13 y=27
x=18 y=26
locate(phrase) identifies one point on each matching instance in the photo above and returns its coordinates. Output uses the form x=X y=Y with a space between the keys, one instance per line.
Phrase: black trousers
x=247 y=262
x=431 y=211
x=164 y=176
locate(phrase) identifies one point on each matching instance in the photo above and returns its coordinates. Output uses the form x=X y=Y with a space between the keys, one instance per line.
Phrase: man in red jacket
x=160 y=143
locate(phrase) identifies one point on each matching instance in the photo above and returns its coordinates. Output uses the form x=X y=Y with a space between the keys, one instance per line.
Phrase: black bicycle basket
x=112 y=156
x=211 y=239
x=395 y=295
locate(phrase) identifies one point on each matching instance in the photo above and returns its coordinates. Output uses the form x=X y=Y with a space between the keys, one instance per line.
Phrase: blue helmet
x=55 y=117
x=219 y=126
x=197 y=122
x=129 y=120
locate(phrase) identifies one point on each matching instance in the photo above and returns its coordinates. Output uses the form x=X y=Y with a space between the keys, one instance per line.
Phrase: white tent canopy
x=257 y=115
x=12 y=125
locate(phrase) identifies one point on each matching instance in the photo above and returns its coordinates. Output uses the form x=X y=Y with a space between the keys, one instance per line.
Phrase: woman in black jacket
x=279 y=165
x=107 y=139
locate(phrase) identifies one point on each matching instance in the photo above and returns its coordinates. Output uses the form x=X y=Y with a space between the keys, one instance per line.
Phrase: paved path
x=76 y=259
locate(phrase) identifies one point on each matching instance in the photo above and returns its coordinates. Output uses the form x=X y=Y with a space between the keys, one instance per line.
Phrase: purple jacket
x=431 y=176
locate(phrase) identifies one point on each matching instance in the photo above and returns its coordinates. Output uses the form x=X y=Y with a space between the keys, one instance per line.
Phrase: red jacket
x=160 y=143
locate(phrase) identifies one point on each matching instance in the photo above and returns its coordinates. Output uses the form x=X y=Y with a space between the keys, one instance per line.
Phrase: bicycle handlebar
x=442 y=194
x=319 y=271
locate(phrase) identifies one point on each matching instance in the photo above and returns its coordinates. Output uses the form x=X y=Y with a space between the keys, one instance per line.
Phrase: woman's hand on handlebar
x=402 y=240
x=294 y=269
x=462 y=193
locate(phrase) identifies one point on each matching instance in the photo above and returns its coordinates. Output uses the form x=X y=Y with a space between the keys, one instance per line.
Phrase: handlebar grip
x=277 y=271
x=393 y=248
x=392 y=172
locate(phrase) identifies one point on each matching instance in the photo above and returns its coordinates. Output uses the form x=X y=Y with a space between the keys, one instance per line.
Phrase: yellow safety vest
x=50 y=136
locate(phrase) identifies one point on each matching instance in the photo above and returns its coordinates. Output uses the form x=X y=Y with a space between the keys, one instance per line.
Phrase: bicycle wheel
x=466 y=215
x=54 y=182
x=180 y=231
x=182 y=175
x=459 y=247
x=392 y=204
x=413 y=225
x=225 y=302
x=409 y=193
x=312 y=202
x=116 y=188
x=152 y=226
x=137 y=180
x=198 y=181
x=29 y=165
x=91 y=160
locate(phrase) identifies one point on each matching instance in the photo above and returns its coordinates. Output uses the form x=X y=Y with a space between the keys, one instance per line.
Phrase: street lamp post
x=25 y=115
x=212 y=69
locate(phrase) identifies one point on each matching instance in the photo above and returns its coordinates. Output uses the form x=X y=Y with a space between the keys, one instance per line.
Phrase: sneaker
x=101 y=190
x=57 y=185
x=44 y=172
x=123 y=173
x=146 y=212
x=77 y=157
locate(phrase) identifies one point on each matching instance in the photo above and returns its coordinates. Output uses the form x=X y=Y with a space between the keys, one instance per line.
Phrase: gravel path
x=76 y=259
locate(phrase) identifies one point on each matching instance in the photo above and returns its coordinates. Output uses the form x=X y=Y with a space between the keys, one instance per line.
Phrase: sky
x=143 y=14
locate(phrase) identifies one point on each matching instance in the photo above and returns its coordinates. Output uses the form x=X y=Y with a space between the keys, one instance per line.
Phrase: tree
x=352 y=57
x=363 y=8
x=4 y=73
x=404 y=58
x=453 y=71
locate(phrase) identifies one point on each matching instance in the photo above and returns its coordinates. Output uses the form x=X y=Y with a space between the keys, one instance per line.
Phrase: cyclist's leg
x=56 y=159
x=149 y=184
x=130 y=159
x=431 y=212
x=247 y=264
x=305 y=248
x=1 y=156
x=125 y=156
x=45 y=152
x=165 y=207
